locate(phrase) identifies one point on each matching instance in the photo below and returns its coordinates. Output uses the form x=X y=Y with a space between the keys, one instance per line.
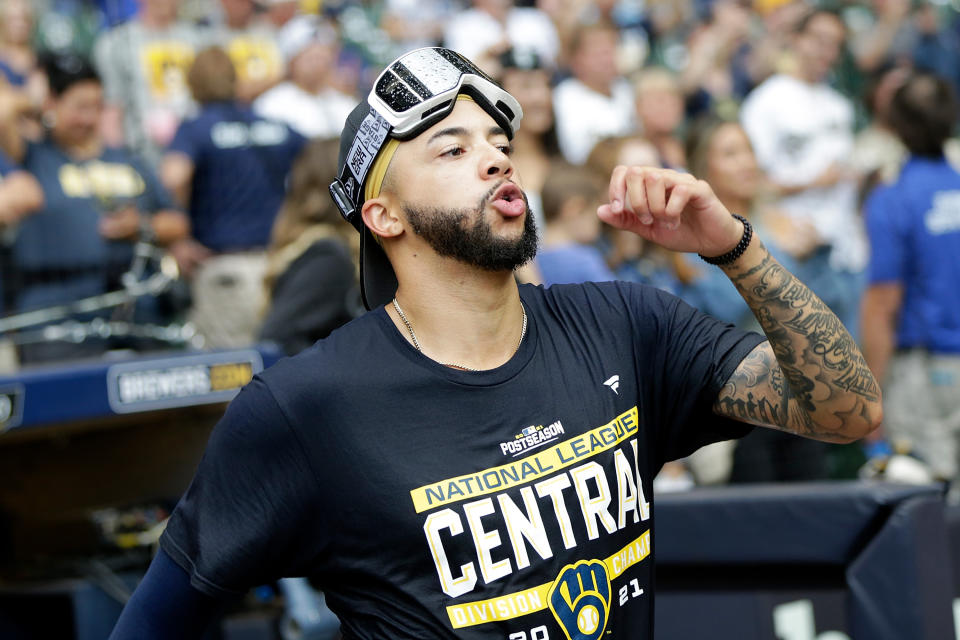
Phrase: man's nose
x=497 y=163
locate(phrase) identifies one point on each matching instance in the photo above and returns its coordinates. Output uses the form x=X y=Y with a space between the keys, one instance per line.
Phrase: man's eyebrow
x=449 y=131
x=462 y=131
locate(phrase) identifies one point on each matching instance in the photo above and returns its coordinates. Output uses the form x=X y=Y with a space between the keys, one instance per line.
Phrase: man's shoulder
x=772 y=89
x=284 y=95
x=928 y=173
x=333 y=360
x=571 y=87
x=337 y=98
x=615 y=298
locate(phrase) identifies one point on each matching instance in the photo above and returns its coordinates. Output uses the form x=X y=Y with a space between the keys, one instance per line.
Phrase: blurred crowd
x=177 y=153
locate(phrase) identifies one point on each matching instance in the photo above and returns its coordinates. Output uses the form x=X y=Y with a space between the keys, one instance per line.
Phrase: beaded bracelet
x=738 y=250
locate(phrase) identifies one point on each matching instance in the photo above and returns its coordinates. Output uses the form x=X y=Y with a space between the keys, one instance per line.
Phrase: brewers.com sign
x=180 y=382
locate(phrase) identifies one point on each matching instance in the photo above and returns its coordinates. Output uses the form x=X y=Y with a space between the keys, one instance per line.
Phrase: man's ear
x=379 y=216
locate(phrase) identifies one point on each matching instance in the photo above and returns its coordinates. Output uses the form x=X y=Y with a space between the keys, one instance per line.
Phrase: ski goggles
x=420 y=88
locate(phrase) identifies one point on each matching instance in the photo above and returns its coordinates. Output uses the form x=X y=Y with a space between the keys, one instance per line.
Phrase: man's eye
x=506 y=149
x=453 y=151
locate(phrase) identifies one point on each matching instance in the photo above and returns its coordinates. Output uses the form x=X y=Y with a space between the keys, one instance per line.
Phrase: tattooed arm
x=809 y=378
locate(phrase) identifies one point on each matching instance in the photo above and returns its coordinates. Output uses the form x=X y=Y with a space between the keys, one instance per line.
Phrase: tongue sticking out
x=510 y=208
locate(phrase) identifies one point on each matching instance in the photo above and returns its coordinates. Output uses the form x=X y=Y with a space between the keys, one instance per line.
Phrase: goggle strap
x=368 y=141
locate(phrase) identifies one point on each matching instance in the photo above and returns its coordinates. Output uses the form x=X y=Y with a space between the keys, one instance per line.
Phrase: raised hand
x=672 y=209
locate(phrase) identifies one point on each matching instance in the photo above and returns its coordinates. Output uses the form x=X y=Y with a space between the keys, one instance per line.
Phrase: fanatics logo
x=614 y=383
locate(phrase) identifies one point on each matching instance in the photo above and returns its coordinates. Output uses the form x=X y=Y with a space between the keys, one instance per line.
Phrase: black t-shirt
x=435 y=503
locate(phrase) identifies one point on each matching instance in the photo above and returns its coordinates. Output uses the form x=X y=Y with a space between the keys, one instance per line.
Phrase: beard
x=466 y=235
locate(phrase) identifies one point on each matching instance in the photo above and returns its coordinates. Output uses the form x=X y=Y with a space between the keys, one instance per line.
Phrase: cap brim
x=378 y=282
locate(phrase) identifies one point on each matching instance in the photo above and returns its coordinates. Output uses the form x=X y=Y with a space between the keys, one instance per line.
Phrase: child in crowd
x=571 y=196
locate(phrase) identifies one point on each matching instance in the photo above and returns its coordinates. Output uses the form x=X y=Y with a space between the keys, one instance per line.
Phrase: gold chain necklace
x=416 y=343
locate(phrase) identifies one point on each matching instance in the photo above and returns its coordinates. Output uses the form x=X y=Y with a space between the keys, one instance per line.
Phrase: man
x=802 y=132
x=596 y=102
x=474 y=459
x=911 y=335
x=308 y=100
x=144 y=65
x=490 y=26
x=228 y=167
x=252 y=43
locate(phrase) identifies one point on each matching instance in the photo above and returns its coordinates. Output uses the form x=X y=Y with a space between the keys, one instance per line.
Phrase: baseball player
x=473 y=458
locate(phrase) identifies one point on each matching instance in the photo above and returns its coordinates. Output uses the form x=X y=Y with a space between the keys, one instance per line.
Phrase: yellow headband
x=379 y=169
x=382 y=163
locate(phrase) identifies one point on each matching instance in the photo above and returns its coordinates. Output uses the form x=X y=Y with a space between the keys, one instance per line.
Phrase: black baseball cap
x=412 y=94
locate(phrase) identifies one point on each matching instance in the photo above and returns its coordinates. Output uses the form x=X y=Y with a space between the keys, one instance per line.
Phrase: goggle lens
x=421 y=75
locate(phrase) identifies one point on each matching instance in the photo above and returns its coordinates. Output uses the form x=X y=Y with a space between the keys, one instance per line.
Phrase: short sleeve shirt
x=241 y=162
x=435 y=503
x=572 y=263
x=63 y=237
x=914 y=230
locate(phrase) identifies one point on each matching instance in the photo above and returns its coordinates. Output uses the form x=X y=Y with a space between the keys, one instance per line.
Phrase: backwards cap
x=412 y=94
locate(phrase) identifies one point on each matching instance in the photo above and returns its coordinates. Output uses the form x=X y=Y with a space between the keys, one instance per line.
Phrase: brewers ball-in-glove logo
x=580 y=599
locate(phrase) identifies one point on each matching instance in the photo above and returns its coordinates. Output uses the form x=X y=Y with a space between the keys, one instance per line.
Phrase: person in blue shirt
x=911 y=310
x=571 y=196
x=98 y=200
x=228 y=167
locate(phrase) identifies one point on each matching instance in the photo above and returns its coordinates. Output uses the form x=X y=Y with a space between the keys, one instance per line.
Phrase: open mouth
x=509 y=200
x=508 y=193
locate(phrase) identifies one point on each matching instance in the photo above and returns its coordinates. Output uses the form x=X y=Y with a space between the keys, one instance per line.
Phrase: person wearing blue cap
x=473 y=458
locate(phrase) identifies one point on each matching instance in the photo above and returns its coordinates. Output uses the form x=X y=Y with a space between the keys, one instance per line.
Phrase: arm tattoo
x=810 y=378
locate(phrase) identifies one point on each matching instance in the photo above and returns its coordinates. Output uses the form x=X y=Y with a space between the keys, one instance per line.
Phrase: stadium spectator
x=279 y=12
x=936 y=46
x=571 y=196
x=659 y=104
x=253 y=45
x=306 y=100
x=311 y=281
x=412 y=24
x=771 y=36
x=144 y=65
x=911 y=310
x=720 y=153
x=878 y=154
x=524 y=76
x=18 y=62
x=882 y=34
x=898 y=32
x=97 y=201
x=71 y=27
x=596 y=102
x=716 y=78
x=228 y=168
x=802 y=132
x=490 y=26
x=629 y=16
